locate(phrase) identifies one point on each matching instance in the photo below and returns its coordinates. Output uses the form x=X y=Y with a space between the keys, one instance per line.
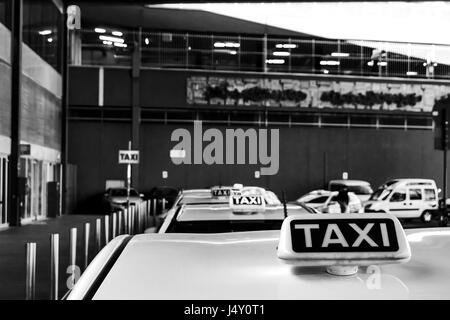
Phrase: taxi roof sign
x=343 y=240
x=220 y=192
x=250 y=203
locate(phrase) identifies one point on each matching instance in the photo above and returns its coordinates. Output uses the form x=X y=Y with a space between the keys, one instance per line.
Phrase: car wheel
x=426 y=216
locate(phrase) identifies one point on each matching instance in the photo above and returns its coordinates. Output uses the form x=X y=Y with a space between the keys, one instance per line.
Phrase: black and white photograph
x=216 y=151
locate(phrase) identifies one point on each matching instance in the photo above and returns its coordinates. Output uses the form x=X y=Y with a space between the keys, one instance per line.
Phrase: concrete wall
x=309 y=157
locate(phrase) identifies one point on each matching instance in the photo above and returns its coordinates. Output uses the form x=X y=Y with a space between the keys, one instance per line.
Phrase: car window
x=398 y=196
x=415 y=194
x=315 y=199
x=381 y=194
x=430 y=195
x=123 y=193
x=220 y=226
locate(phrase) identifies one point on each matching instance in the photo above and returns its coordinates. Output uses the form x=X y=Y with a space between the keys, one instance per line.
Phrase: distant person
x=343 y=199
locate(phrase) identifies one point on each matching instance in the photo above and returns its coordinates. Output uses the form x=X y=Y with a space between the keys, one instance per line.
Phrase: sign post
x=128 y=157
x=442 y=115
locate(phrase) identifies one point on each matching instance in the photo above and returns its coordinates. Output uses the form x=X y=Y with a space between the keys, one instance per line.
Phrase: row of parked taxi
x=404 y=198
x=243 y=242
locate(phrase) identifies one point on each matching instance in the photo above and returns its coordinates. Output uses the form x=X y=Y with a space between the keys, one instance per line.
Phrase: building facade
x=39 y=165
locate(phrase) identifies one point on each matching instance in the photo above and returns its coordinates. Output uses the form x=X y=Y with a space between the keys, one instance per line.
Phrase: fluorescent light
x=232 y=45
x=99 y=30
x=275 y=61
x=370 y=63
x=232 y=52
x=281 y=53
x=109 y=43
x=45 y=32
x=226 y=45
x=340 y=54
x=382 y=63
x=329 y=63
x=117 y=33
x=122 y=45
x=285 y=46
x=113 y=39
x=411 y=73
x=50 y=39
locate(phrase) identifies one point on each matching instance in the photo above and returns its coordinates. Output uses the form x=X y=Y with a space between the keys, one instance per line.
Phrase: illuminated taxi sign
x=220 y=192
x=248 y=203
x=343 y=239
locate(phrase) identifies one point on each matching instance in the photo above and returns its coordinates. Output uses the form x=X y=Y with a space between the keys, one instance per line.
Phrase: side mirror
x=439 y=190
x=141 y=195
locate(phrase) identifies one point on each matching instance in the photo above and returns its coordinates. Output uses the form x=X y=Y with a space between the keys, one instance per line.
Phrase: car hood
x=245 y=265
x=124 y=199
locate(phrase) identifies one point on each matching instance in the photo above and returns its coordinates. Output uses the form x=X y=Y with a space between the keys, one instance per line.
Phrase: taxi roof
x=244 y=265
x=218 y=212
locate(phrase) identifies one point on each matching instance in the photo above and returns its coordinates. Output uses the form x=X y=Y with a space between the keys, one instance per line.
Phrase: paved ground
x=12 y=254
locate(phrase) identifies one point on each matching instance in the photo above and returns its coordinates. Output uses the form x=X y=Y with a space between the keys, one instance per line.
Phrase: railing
x=265 y=54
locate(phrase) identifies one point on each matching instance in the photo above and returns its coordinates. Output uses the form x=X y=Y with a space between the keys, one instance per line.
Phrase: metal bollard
x=87 y=232
x=114 y=225
x=132 y=220
x=54 y=266
x=154 y=206
x=106 y=230
x=147 y=214
x=125 y=222
x=73 y=253
x=30 y=271
x=98 y=234
x=73 y=247
x=119 y=222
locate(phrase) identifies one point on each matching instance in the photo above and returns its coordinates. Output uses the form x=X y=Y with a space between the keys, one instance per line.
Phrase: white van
x=406 y=199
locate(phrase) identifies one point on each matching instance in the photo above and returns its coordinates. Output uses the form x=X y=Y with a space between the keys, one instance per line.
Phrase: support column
x=136 y=108
x=16 y=101
x=64 y=106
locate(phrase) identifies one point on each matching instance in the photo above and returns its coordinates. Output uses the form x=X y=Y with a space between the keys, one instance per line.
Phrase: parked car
x=406 y=198
x=325 y=201
x=169 y=194
x=116 y=199
x=362 y=189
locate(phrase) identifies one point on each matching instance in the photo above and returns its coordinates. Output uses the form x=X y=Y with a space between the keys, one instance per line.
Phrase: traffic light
x=441 y=116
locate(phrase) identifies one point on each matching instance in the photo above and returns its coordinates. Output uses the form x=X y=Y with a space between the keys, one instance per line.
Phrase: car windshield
x=357 y=189
x=380 y=194
x=200 y=200
x=313 y=199
x=220 y=226
x=123 y=193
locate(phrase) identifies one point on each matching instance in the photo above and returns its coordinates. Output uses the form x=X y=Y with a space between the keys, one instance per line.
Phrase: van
x=362 y=189
x=406 y=199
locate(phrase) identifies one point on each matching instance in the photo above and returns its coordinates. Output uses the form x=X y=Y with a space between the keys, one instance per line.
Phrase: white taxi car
x=325 y=201
x=312 y=256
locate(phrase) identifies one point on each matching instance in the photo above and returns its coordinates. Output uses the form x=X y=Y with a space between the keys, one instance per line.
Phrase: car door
x=398 y=204
x=416 y=205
